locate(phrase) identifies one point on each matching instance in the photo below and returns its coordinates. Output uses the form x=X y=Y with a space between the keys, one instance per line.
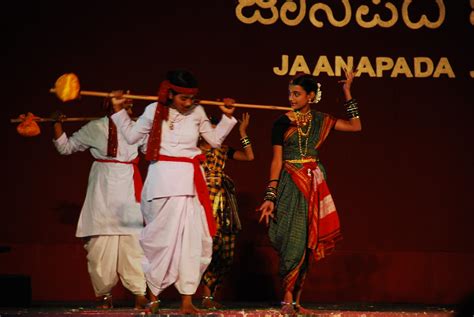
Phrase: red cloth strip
x=112 y=140
x=200 y=183
x=182 y=90
x=306 y=184
x=154 y=139
x=137 y=177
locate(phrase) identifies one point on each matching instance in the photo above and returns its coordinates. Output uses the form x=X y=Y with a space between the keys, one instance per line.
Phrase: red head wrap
x=161 y=113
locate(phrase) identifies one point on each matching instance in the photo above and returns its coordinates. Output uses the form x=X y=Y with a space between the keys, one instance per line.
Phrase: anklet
x=153 y=306
x=149 y=304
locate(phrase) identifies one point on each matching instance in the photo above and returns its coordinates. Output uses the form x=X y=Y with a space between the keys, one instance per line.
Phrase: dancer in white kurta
x=177 y=238
x=110 y=219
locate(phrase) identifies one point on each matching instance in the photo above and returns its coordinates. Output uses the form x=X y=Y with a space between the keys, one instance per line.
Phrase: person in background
x=224 y=208
x=110 y=220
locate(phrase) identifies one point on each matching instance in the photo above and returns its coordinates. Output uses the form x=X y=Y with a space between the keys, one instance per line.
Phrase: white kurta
x=176 y=240
x=165 y=179
x=110 y=207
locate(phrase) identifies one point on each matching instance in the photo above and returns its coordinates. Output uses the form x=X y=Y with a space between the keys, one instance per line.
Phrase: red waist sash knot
x=200 y=183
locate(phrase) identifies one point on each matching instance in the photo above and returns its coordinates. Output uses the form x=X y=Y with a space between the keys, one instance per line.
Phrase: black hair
x=107 y=106
x=307 y=81
x=182 y=78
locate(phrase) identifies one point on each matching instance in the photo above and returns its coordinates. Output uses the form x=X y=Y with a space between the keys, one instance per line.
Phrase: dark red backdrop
x=402 y=186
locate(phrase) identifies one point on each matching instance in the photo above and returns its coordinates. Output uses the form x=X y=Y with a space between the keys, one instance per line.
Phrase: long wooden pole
x=76 y=119
x=52 y=120
x=155 y=98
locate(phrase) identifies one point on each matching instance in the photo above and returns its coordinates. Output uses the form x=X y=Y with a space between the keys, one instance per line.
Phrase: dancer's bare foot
x=153 y=307
x=300 y=310
x=140 y=301
x=208 y=302
x=287 y=309
x=104 y=302
x=154 y=304
x=187 y=306
x=190 y=310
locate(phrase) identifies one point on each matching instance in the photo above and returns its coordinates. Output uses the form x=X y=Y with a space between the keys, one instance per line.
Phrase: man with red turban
x=177 y=238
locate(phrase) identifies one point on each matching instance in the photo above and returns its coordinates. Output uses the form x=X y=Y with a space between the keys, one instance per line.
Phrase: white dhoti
x=112 y=257
x=176 y=243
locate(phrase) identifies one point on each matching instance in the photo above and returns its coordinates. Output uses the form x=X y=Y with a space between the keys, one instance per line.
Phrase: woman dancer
x=298 y=205
x=224 y=207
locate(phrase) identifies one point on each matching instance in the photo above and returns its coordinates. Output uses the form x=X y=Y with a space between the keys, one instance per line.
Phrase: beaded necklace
x=177 y=117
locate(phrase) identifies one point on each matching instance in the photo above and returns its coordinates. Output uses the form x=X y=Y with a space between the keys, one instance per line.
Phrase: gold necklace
x=303 y=118
x=301 y=121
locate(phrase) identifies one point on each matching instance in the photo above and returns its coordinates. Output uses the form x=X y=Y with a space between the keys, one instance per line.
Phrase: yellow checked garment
x=225 y=212
x=221 y=190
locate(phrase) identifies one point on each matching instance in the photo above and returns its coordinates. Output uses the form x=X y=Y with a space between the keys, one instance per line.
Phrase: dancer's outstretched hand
x=350 y=75
x=267 y=211
x=244 y=123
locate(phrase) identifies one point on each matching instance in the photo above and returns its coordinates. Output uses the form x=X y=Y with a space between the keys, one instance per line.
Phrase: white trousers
x=111 y=257
x=176 y=243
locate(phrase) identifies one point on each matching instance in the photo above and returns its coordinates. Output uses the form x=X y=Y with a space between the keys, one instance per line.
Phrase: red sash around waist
x=200 y=183
x=137 y=177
